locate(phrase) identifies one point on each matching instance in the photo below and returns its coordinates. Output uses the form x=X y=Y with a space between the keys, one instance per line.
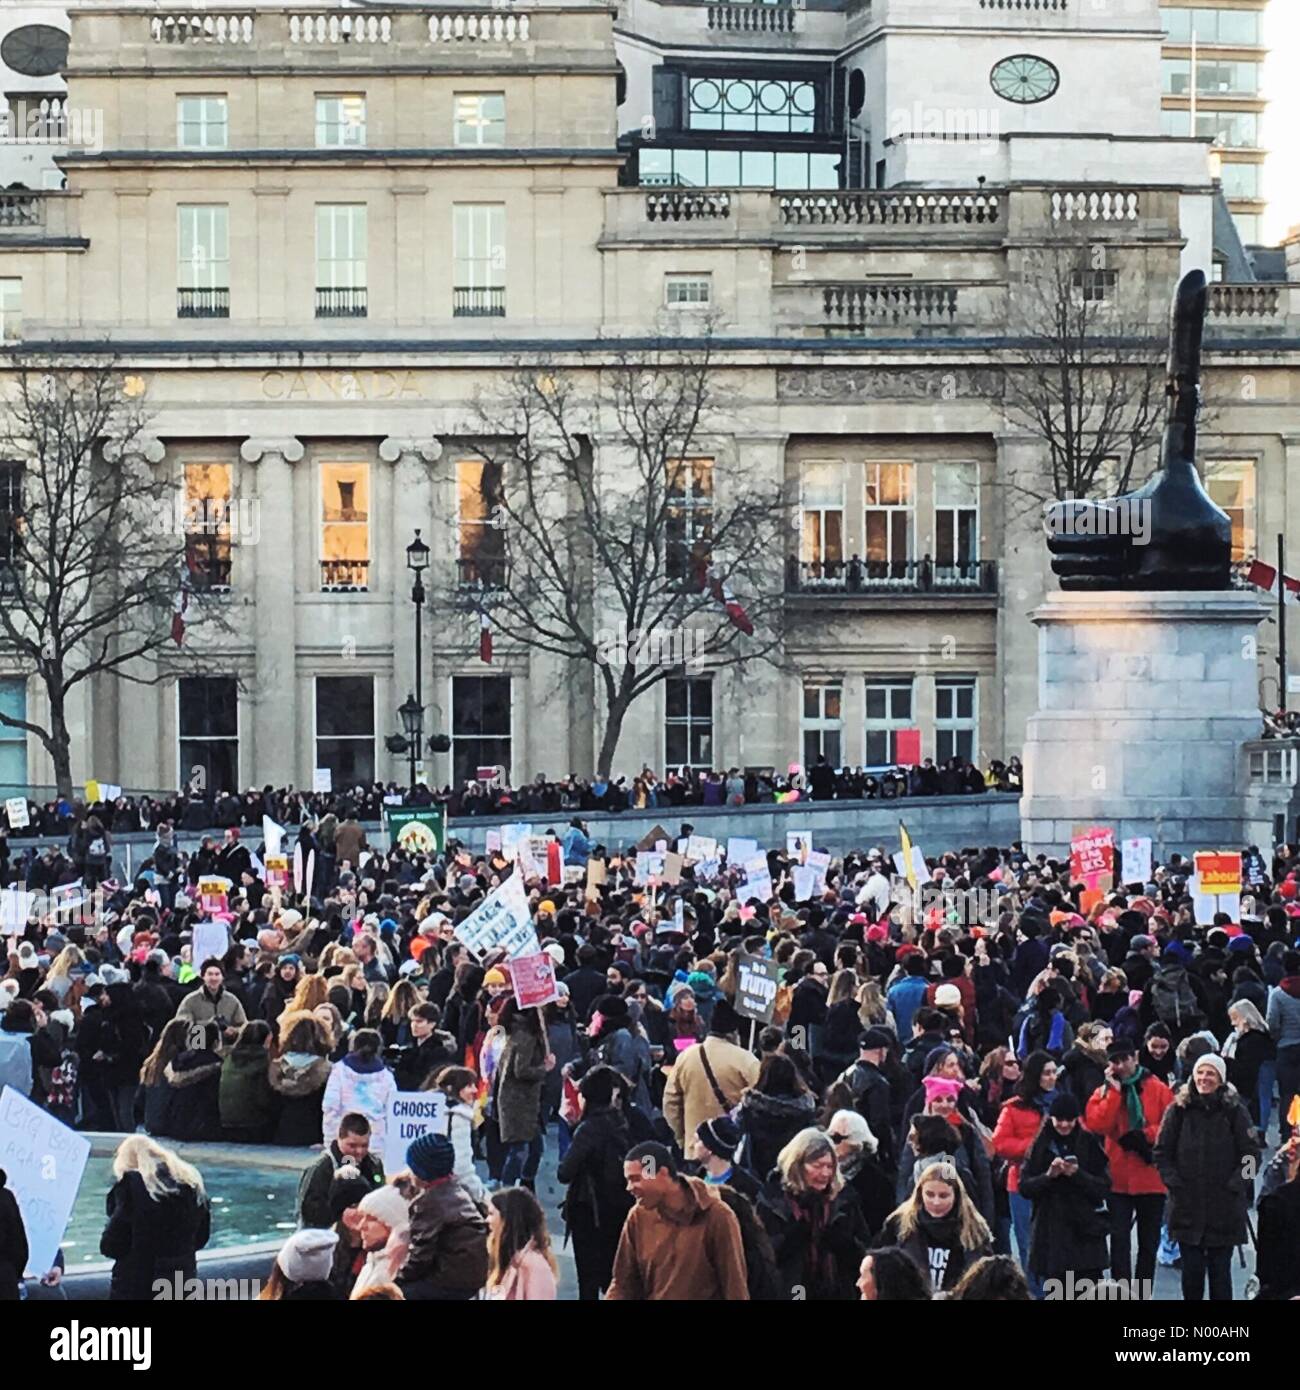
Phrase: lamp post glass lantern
x=411 y=713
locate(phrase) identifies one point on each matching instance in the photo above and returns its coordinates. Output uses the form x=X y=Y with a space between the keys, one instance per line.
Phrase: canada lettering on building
x=340 y=386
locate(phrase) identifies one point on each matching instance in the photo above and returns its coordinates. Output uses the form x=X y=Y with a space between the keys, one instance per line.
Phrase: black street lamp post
x=411 y=713
x=417 y=561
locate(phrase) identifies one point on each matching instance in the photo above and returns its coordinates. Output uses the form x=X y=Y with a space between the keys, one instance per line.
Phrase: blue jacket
x=904 y=999
x=576 y=847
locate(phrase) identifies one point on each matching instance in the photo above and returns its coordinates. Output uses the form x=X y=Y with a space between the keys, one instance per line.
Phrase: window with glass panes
x=822 y=723
x=821 y=548
x=478 y=245
x=1240 y=180
x=479 y=118
x=689 y=519
x=203 y=246
x=207 y=523
x=888 y=529
x=345 y=525
x=954 y=718
x=13 y=742
x=688 y=291
x=208 y=727
x=341 y=246
x=788 y=105
x=748 y=168
x=202 y=122
x=1231 y=484
x=1214 y=77
x=688 y=722
x=1181 y=22
x=481 y=536
x=345 y=728
x=11 y=309
x=480 y=725
x=889 y=709
x=340 y=120
x=11 y=519
x=956 y=514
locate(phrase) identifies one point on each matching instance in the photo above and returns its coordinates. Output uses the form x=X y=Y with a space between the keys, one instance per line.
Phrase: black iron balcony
x=478 y=302
x=347 y=303
x=923 y=576
x=485 y=572
x=344 y=576
x=203 y=304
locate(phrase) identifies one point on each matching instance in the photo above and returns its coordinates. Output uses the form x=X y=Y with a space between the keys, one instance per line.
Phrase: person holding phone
x=1067 y=1178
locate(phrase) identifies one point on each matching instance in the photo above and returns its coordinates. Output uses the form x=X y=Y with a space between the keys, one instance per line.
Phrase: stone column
x=276 y=757
x=411 y=509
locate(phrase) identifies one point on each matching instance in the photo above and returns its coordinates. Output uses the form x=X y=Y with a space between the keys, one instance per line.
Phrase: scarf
x=815 y=1209
x=1133 y=1101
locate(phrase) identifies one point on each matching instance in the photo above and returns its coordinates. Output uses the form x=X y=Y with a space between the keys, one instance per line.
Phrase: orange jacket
x=1013 y=1136
x=1106 y=1115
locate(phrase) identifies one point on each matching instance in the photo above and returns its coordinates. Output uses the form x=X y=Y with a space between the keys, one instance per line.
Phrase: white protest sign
x=15 y=908
x=322 y=780
x=109 y=791
x=501 y=919
x=1204 y=905
x=16 y=812
x=493 y=842
x=701 y=847
x=679 y=916
x=44 y=1161
x=806 y=885
x=740 y=848
x=273 y=835
x=210 y=940
x=409 y=1115
x=649 y=865
x=511 y=835
x=919 y=867
x=797 y=844
x=707 y=870
x=758 y=880
x=1135 y=860
x=67 y=896
x=819 y=862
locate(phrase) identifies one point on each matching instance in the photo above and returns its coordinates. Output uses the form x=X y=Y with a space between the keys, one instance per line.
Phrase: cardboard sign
x=740 y=848
x=652 y=837
x=1135 y=860
x=322 y=780
x=501 y=920
x=758 y=880
x=418 y=830
x=44 y=1161
x=534 y=980
x=756 y=990
x=277 y=871
x=597 y=873
x=673 y=865
x=16 y=812
x=1092 y=857
x=297 y=867
x=1218 y=872
x=409 y=1115
x=210 y=941
x=212 y=893
x=707 y=870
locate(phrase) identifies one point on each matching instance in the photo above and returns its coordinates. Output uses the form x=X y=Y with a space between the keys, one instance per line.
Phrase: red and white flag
x=182 y=602
x=485 y=638
x=708 y=578
x=1264 y=576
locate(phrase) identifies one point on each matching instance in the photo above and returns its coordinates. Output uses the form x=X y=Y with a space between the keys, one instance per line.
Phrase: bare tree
x=92 y=545
x=620 y=563
x=1087 y=377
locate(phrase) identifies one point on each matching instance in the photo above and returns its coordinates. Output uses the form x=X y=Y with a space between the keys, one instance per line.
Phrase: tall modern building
x=317 y=236
x=1213 y=69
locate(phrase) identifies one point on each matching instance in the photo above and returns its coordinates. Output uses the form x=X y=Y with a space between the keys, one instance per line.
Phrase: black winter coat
x=13 y=1245
x=1278 y=1255
x=148 y=1240
x=767 y=1124
x=1083 y=1075
x=841 y=1243
x=592 y=1169
x=1200 y=1154
x=194 y=1108
x=1070 y=1225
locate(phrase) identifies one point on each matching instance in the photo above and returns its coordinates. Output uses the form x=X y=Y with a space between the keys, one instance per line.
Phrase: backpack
x=1173 y=1000
x=61 y=1092
x=96 y=849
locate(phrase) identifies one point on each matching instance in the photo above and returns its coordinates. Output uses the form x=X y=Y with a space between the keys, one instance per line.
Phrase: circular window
x=35 y=50
x=1025 y=79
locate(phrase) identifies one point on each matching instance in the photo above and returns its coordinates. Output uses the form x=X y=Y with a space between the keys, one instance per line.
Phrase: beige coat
x=689 y=1099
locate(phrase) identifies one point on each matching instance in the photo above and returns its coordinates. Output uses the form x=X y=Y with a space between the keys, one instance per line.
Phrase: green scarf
x=1136 y=1119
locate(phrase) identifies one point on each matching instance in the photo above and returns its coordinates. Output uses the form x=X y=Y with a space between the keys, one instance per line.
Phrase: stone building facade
x=315 y=236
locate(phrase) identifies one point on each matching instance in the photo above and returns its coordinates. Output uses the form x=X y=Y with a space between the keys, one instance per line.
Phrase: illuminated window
x=689 y=519
x=1231 y=484
x=890 y=491
x=480 y=524
x=207 y=524
x=821 y=548
x=479 y=118
x=345 y=525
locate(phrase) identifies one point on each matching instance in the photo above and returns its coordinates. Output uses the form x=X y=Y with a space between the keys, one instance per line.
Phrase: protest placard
x=1135 y=859
x=422 y=830
x=272 y=836
x=740 y=848
x=16 y=812
x=533 y=977
x=797 y=844
x=411 y=1114
x=597 y=873
x=701 y=847
x=1092 y=856
x=673 y=865
x=43 y=1160
x=277 y=871
x=212 y=893
x=210 y=940
x=322 y=780
x=757 y=981
x=649 y=865
x=919 y=867
x=501 y=920
x=758 y=880
x=1219 y=871
x=806 y=884
x=492 y=843
x=512 y=835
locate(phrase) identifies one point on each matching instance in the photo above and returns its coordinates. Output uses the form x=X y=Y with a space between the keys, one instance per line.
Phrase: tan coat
x=689 y=1099
x=688 y=1248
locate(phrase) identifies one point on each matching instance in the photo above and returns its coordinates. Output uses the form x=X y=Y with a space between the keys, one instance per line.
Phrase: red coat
x=1106 y=1115
x=1014 y=1134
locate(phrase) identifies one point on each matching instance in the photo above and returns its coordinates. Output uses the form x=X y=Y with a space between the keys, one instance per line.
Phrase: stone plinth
x=1145 y=703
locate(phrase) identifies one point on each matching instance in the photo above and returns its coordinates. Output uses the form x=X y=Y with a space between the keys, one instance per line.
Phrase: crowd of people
x=987 y=1093
x=191 y=809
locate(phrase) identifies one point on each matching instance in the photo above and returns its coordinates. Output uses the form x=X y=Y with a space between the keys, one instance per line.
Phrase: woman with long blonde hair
x=393 y=1018
x=938 y=1226
x=157 y=1220
x=59 y=976
x=311 y=991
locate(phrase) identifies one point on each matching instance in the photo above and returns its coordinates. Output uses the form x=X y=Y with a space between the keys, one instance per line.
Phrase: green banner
x=418 y=830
